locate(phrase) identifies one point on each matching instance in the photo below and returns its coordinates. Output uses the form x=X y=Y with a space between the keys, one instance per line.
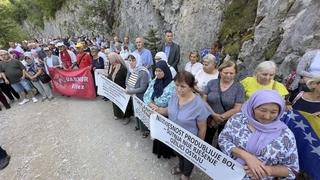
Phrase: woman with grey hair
x=263 y=79
x=208 y=72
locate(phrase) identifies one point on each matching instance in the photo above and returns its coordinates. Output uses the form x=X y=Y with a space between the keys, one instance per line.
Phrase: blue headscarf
x=160 y=84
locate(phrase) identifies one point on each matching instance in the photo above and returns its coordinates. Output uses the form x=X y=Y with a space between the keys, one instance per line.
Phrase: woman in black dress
x=118 y=73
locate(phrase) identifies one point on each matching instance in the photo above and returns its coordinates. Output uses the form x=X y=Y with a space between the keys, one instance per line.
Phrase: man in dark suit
x=171 y=49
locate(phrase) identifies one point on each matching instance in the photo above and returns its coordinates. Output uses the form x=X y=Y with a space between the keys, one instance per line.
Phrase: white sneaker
x=24 y=101
x=34 y=100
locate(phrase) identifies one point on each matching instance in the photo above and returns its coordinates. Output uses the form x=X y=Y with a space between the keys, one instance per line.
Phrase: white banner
x=142 y=111
x=210 y=160
x=112 y=91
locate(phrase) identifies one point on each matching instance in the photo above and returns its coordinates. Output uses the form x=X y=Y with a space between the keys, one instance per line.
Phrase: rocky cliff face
x=283 y=29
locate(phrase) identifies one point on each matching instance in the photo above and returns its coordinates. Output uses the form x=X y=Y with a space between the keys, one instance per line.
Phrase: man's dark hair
x=217 y=44
x=167 y=31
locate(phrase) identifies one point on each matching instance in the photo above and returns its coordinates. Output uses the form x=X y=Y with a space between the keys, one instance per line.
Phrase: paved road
x=70 y=138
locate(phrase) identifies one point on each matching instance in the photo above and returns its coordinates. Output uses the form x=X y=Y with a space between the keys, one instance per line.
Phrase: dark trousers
x=3 y=153
x=3 y=100
x=185 y=166
x=9 y=91
x=211 y=132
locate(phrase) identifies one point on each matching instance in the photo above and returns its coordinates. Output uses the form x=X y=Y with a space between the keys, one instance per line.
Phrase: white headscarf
x=162 y=55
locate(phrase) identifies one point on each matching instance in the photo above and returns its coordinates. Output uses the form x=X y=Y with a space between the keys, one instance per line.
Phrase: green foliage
x=152 y=41
x=9 y=29
x=35 y=10
x=239 y=17
x=14 y=12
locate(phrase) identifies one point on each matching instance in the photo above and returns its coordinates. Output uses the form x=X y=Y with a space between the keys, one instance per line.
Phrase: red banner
x=77 y=82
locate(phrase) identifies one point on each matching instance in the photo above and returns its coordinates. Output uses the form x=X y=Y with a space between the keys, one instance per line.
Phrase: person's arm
x=278 y=171
x=304 y=64
x=147 y=95
x=176 y=57
x=202 y=128
x=5 y=78
x=143 y=84
x=39 y=72
x=24 y=72
x=236 y=108
x=27 y=75
x=162 y=111
x=254 y=167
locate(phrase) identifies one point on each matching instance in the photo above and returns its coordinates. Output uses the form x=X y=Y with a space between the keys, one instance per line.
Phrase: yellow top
x=251 y=85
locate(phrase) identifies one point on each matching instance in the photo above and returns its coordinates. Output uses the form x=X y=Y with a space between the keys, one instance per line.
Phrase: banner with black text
x=210 y=160
x=112 y=91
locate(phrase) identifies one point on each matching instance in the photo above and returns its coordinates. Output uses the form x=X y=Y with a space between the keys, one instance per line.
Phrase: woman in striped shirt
x=137 y=83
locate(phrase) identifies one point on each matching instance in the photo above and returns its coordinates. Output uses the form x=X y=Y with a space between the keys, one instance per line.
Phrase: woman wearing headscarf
x=162 y=56
x=257 y=138
x=136 y=84
x=158 y=95
x=117 y=73
x=33 y=71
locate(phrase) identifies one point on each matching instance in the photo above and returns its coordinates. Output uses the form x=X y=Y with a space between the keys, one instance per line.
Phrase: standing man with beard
x=171 y=49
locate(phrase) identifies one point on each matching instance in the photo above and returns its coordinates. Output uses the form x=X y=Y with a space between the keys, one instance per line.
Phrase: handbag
x=44 y=78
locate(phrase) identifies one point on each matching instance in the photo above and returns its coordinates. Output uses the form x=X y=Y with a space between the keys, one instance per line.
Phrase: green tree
x=152 y=41
x=9 y=28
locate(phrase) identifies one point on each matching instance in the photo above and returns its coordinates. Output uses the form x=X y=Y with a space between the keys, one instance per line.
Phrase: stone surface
x=282 y=28
x=70 y=138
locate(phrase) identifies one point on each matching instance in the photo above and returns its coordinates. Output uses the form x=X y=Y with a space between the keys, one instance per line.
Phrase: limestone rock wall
x=283 y=30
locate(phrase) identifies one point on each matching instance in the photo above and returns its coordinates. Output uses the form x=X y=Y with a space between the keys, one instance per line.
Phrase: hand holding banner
x=210 y=160
x=113 y=92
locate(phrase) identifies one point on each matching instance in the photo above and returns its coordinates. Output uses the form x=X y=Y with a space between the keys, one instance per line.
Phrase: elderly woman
x=263 y=79
x=193 y=66
x=137 y=83
x=187 y=109
x=309 y=101
x=257 y=138
x=308 y=67
x=118 y=74
x=33 y=71
x=208 y=72
x=158 y=95
x=162 y=56
x=225 y=97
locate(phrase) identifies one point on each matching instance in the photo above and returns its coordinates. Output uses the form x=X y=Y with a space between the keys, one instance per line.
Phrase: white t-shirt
x=203 y=78
x=193 y=68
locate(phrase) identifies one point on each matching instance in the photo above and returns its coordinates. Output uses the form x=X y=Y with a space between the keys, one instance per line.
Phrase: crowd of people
x=204 y=98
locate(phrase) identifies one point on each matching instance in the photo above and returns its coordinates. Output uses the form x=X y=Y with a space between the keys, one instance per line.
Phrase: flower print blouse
x=281 y=151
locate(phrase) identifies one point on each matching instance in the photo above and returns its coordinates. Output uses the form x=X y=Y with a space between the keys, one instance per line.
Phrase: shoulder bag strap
x=220 y=93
